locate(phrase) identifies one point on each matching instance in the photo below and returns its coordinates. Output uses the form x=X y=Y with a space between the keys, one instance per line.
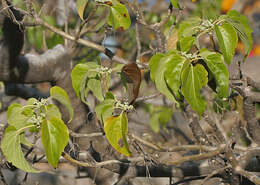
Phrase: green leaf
x=186 y=27
x=227 y=39
x=61 y=95
x=243 y=29
x=15 y=116
x=81 y=5
x=186 y=43
x=160 y=77
x=119 y=17
x=95 y=86
x=31 y=101
x=116 y=129
x=219 y=70
x=173 y=74
x=52 y=111
x=153 y=64
x=154 y=122
x=193 y=79
x=11 y=148
x=175 y=4
x=165 y=116
x=78 y=73
x=105 y=109
x=55 y=136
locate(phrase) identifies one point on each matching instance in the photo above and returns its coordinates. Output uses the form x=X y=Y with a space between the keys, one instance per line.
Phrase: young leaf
x=154 y=122
x=119 y=17
x=59 y=94
x=175 y=4
x=227 y=39
x=116 y=129
x=15 y=117
x=160 y=77
x=216 y=65
x=78 y=73
x=193 y=79
x=105 y=109
x=186 y=43
x=95 y=86
x=55 y=137
x=81 y=5
x=187 y=27
x=173 y=74
x=153 y=64
x=52 y=111
x=243 y=29
x=11 y=148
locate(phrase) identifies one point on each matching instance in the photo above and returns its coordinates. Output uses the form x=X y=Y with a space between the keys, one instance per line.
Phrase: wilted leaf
x=132 y=74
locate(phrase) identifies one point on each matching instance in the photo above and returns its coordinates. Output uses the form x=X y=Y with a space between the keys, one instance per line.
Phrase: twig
x=252 y=177
x=3 y=178
x=214 y=173
x=198 y=156
x=143 y=98
x=76 y=135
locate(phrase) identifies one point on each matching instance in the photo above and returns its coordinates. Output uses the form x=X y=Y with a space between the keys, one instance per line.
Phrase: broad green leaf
x=175 y=4
x=61 y=95
x=52 y=111
x=160 y=77
x=95 y=86
x=173 y=74
x=55 y=137
x=15 y=117
x=31 y=101
x=227 y=39
x=193 y=79
x=105 y=109
x=11 y=148
x=243 y=29
x=154 y=122
x=187 y=27
x=153 y=64
x=119 y=17
x=24 y=141
x=219 y=70
x=186 y=43
x=78 y=73
x=116 y=129
x=81 y=5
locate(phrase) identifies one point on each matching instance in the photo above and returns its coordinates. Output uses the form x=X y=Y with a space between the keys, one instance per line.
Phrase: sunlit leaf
x=186 y=43
x=116 y=129
x=11 y=148
x=104 y=110
x=95 y=86
x=153 y=64
x=219 y=70
x=15 y=117
x=243 y=29
x=61 y=95
x=119 y=17
x=55 y=137
x=81 y=5
x=193 y=79
x=160 y=81
x=227 y=39
x=173 y=74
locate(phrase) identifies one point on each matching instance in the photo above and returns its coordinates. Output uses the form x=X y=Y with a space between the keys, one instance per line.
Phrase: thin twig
x=77 y=135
